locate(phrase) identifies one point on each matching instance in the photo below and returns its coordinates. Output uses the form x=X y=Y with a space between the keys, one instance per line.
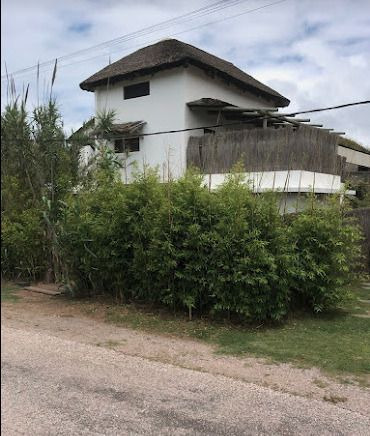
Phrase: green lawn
x=8 y=292
x=338 y=342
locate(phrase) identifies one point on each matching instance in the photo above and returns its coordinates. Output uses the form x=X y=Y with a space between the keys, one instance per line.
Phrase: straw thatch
x=173 y=53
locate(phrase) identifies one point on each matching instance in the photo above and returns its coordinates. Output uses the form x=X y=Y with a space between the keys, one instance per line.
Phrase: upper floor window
x=137 y=90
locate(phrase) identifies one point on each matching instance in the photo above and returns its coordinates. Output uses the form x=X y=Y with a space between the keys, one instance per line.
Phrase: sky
x=314 y=52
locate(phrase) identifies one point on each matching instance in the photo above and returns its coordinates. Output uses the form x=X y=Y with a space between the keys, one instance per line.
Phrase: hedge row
x=180 y=245
x=226 y=251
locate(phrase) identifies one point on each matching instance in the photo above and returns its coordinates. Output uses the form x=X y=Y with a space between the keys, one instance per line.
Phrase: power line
x=51 y=62
x=183 y=31
x=256 y=118
x=328 y=108
x=198 y=13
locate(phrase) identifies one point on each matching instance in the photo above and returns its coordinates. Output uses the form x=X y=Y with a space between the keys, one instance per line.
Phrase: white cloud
x=315 y=52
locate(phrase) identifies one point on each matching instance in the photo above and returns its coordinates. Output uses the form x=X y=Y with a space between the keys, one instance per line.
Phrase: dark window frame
x=130 y=145
x=136 y=90
x=119 y=146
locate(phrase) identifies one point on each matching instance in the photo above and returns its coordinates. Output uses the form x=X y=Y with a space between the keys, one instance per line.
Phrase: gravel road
x=53 y=386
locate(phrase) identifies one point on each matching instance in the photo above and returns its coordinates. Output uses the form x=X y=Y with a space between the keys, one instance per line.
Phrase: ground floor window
x=127 y=145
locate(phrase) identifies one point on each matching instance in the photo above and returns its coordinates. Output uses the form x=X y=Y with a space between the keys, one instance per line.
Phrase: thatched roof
x=86 y=127
x=89 y=130
x=172 y=53
x=350 y=143
x=128 y=128
x=207 y=102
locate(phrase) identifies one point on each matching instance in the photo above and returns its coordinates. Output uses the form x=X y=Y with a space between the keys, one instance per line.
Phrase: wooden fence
x=267 y=149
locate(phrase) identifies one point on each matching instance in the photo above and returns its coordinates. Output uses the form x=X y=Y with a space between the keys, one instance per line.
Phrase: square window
x=127 y=145
x=137 y=90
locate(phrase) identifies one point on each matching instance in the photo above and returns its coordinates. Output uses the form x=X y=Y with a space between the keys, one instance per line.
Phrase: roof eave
x=279 y=100
x=88 y=85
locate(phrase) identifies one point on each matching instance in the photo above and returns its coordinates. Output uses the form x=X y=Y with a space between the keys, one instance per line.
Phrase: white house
x=173 y=86
x=155 y=84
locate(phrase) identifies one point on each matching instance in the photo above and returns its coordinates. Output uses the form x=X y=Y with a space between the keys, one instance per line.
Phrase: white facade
x=165 y=109
x=284 y=181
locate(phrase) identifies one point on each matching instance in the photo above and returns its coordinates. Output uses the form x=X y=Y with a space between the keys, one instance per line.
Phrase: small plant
x=334 y=399
x=320 y=383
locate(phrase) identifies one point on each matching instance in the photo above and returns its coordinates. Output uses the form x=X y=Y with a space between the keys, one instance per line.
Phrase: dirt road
x=66 y=371
x=55 y=386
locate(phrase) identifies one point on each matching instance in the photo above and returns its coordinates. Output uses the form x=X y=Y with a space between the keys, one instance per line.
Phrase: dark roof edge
x=363 y=150
x=281 y=100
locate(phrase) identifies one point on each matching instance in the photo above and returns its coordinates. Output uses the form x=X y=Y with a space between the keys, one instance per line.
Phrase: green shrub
x=252 y=258
x=143 y=214
x=228 y=251
x=182 y=253
x=328 y=250
x=23 y=247
x=94 y=239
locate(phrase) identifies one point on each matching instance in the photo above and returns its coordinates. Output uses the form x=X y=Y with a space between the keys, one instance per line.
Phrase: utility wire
x=48 y=64
x=190 y=16
x=178 y=33
x=327 y=108
x=251 y=120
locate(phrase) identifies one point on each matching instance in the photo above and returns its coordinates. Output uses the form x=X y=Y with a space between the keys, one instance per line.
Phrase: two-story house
x=177 y=105
x=152 y=86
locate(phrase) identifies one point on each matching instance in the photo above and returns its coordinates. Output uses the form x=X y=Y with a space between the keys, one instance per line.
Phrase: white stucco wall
x=284 y=181
x=293 y=186
x=162 y=110
x=165 y=109
x=199 y=84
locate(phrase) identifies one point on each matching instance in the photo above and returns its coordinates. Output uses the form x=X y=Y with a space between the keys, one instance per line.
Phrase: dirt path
x=57 y=317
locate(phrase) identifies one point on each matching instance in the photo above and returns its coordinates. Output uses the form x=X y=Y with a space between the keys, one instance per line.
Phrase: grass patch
x=334 y=399
x=110 y=343
x=137 y=318
x=8 y=292
x=338 y=343
x=320 y=383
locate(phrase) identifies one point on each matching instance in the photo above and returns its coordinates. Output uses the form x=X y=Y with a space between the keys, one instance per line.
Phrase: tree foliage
x=38 y=169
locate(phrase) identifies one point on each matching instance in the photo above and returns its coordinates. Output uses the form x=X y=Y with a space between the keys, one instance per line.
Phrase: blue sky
x=315 y=52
